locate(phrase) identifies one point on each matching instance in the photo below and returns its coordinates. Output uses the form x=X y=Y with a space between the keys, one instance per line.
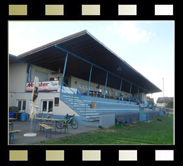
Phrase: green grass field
x=142 y=133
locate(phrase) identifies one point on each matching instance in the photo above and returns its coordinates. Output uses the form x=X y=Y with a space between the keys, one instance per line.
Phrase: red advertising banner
x=43 y=86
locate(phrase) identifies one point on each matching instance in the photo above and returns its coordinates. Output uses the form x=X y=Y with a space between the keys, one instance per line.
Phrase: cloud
x=130 y=31
x=21 y=38
x=155 y=75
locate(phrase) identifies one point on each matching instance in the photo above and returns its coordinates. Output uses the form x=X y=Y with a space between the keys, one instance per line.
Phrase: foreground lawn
x=141 y=133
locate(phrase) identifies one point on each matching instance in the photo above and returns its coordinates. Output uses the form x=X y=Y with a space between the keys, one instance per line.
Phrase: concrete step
x=75 y=100
x=90 y=114
x=92 y=117
x=78 y=103
x=82 y=110
x=87 y=111
x=79 y=106
x=82 y=107
x=92 y=120
x=69 y=97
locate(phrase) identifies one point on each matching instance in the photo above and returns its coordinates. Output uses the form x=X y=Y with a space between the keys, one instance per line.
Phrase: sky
x=148 y=46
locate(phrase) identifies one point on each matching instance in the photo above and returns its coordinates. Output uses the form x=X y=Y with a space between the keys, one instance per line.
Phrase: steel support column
x=89 y=80
x=130 y=91
x=138 y=93
x=70 y=53
x=65 y=65
x=105 y=84
x=120 y=89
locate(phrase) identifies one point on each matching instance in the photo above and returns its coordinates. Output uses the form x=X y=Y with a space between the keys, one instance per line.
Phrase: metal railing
x=74 y=96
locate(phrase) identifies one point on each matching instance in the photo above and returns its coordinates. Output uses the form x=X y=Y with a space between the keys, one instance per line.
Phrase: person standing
x=121 y=97
x=164 y=111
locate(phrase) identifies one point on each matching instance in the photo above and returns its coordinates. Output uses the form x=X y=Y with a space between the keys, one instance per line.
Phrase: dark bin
x=11 y=115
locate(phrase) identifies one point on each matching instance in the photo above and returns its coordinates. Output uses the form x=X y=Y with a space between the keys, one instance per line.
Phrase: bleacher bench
x=12 y=134
x=47 y=128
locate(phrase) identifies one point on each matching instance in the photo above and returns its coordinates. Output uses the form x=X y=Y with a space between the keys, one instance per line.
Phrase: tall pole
x=163 y=87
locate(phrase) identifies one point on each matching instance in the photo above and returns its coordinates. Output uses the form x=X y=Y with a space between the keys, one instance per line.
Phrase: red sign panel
x=43 y=86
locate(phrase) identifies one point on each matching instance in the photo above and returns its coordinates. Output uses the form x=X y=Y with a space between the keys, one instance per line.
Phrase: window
x=44 y=108
x=21 y=104
x=56 y=101
x=50 y=106
x=47 y=106
x=42 y=75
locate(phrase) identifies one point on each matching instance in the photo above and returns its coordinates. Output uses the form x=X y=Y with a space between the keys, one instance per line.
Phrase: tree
x=170 y=104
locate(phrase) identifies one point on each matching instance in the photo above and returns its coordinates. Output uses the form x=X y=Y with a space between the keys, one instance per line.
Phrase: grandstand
x=88 y=78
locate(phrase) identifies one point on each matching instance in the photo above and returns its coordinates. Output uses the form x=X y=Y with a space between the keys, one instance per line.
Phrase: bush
x=170 y=104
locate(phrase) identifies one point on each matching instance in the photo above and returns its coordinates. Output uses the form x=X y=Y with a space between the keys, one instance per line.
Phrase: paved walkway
x=41 y=136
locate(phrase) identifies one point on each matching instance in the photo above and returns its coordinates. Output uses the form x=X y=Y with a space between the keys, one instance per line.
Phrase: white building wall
x=17 y=77
x=62 y=109
x=161 y=105
x=49 y=72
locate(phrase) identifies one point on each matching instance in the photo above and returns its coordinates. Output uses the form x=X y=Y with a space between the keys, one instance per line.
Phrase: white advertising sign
x=43 y=86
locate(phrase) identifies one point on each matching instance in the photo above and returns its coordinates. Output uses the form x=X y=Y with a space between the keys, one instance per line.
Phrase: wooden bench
x=47 y=128
x=11 y=135
x=52 y=123
x=47 y=123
